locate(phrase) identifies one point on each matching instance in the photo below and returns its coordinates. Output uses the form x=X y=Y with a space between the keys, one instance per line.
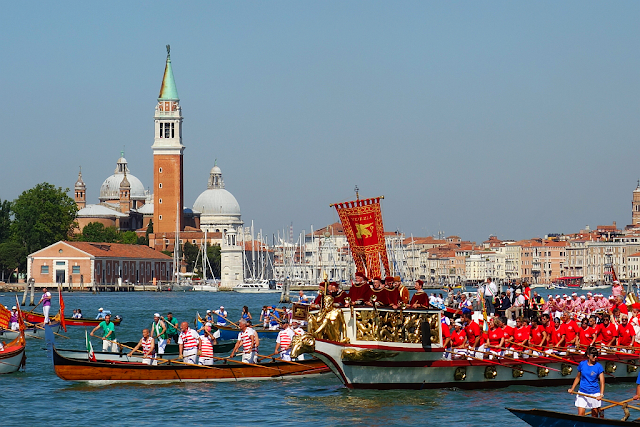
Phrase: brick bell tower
x=635 y=206
x=167 y=147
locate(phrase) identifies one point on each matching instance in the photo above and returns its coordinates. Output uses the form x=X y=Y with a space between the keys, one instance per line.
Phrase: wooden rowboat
x=32 y=317
x=13 y=356
x=544 y=418
x=219 y=348
x=115 y=371
x=30 y=332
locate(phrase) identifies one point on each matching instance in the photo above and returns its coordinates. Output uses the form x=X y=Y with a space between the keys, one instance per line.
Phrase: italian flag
x=92 y=357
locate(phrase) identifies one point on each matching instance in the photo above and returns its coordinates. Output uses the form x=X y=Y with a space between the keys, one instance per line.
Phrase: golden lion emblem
x=363 y=230
x=302 y=344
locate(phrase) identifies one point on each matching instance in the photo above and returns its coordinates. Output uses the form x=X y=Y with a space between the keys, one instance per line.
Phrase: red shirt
x=623 y=308
x=571 y=330
x=420 y=298
x=446 y=332
x=558 y=333
x=586 y=335
x=608 y=333
x=598 y=328
x=625 y=334
x=550 y=331
x=457 y=338
x=537 y=335
x=508 y=331
x=360 y=292
x=520 y=335
x=473 y=331
x=495 y=336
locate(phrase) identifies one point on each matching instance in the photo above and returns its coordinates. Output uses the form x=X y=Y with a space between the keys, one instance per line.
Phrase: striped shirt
x=206 y=348
x=189 y=340
x=245 y=337
x=147 y=345
x=284 y=338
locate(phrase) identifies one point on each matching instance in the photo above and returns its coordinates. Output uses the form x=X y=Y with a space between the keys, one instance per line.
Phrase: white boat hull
x=205 y=288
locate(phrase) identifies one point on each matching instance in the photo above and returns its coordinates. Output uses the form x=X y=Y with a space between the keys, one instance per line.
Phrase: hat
x=589 y=294
x=100 y=309
x=518 y=291
x=583 y=297
x=388 y=279
x=156 y=315
x=396 y=278
x=574 y=294
x=636 y=305
x=361 y=274
x=458 y=322
x=208 y=324
x=420 y=282
x=550 y=296
x=616 y=281
x=610 y=296
x=222 y=307
x=557 y=296
x=377 y=278
x=208 y=311
x=14 y=308
x=564 y=295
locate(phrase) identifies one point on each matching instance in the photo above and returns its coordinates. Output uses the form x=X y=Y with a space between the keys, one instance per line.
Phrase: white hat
x=616 y=281
x=557 y=296
x=208 y=311
x=100 y=309
x=611 y=297
x=14 y=308
x=583 y=297
x=589 y=294
x=550 y=296
x=156 y=315
x=574 y=294
x=564 y=295
x=518 y=291
x=458 y=322
x=208 y=324
x=222 y=306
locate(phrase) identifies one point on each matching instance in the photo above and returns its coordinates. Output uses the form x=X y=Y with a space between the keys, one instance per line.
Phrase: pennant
x=90 y=353
x=62 y=321
x=362 y=223
x=5 y=316
x=20 y=316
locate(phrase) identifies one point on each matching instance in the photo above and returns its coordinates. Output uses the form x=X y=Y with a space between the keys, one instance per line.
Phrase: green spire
x=168 y=90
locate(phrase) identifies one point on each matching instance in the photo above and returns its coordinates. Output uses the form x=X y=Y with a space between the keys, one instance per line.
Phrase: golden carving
x=395 y=326
x=329 y=323
x=517 y=371
x=490 y=372
x=367 y=355
x=460 y=374
x=610 y=367
x=302 y=344
x=632 y=367
x=566 y=369
x=543 y=372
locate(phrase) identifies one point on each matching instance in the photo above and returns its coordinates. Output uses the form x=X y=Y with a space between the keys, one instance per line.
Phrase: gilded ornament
x=366 y=355
x=460 y=374
x=517 y=371
x=490 y=372
x=566 y=369
x=302 y=344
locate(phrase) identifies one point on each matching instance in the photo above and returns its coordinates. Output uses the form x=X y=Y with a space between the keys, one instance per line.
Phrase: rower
x=45 y=299
x=222 y=316
x=207 y=341
x=458 y=339
x=283 y=342
x=474 y=336
x=189 y=343
x=108 y=334
x=591 y=378
x=13 y=319
x=147 y=343
x=159 y=331
x=172 y=328
x=246 y=339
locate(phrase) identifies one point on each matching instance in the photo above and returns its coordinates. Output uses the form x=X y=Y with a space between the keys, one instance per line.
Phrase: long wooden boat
x=13 y=357
x=30 y=332
x=391 y=349
x=33 y=317
x=116 y=371
x=544 y=418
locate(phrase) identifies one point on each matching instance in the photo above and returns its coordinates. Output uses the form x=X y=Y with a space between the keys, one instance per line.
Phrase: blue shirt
x=590 y=377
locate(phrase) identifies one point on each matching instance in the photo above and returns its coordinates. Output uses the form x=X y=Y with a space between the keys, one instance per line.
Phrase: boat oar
x=493 y=362
x=282 y=360
x=522 y=361
x=40 y=327
x=608 y=401
x=225 y=318
x=245 y=363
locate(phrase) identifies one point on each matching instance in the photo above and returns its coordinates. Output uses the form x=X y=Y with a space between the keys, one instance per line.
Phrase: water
x=38 y=396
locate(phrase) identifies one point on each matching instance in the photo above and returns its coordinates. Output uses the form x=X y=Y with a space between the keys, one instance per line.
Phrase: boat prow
x=544 y=418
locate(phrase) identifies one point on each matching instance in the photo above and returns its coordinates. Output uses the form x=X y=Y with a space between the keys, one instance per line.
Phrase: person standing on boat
x=283 y=342
x=302 y=298
x=159 y=331
x=109 y=341
x=45 y=299
x=490 y=292
x=420 y=299
x=172 y=328
x=246 y=339
x=207 y=341
x=101 y=314
x=616 y=289
x=13 y=319
x=148 y=346
x=402 y=290
x=222 y=316
x=360 y=292
x=189 y=343
x=591 y=379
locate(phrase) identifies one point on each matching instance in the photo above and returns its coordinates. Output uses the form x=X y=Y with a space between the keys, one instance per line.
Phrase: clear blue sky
x=476 y=118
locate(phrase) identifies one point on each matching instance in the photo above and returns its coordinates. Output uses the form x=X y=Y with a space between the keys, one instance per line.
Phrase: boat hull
x=543 y=418
x=103 y=372
x=28 y=333
x=39 y=318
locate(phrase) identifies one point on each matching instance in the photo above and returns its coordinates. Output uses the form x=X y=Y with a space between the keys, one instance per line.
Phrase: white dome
x=216 y=201
x=110 y=188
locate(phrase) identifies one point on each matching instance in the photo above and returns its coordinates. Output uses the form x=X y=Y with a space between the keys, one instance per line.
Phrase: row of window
x=167 y=130
x=45 y=268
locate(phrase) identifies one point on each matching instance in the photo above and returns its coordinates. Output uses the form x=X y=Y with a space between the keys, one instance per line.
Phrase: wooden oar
x=622 y=402
x=225 y=318
x=35 y=325
x=490 y=361
x=607 y=400
x=157 y=358
x=245 y=363
x=282 y=360
x=523 y=361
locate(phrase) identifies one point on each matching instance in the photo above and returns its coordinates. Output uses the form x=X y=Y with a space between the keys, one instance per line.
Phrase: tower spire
x=168 y=90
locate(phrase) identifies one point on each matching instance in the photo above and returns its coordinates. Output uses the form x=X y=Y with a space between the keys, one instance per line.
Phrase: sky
x=516 y=119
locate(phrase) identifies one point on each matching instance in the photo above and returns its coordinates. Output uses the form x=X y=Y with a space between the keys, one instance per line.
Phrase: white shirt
x=490 y=289
x=518 y=301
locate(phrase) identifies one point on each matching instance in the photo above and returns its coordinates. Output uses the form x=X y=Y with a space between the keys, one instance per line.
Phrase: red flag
x=20 y=318
x=613 y=274
x=5 y=315
x=62 y=322
x=362 y=223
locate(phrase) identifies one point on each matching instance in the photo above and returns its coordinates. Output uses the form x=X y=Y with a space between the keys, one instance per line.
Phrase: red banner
x=362 y=223
x=5 y=315
x=62 y=322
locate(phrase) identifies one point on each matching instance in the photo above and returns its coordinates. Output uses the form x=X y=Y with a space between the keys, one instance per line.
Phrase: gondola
x=544 y=418
x=32 y=317
x=117 y=371
x=13 y=357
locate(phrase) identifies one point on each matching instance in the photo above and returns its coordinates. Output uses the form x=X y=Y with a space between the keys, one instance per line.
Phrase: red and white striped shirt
x=206 y=348
x=284 y=338
x=146 y=346
x=189 y=341
x=245 y=337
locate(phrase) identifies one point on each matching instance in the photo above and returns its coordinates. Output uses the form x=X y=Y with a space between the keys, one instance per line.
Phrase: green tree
x=190 y=255
x=42 y=216
x=213 y=253
x=128 y=238
x=97 y=232
x=5 y=220
x=12 y=255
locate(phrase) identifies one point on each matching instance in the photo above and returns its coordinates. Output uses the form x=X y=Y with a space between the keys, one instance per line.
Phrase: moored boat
x=116 y=371
x=259 y=287
x=544 y=418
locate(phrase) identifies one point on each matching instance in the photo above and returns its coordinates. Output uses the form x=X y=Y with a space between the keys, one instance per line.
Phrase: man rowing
x=109 y=341
x=159 y=331
x=189 y=343
x=246 y=339
x=45 y=299
x=207 y=341
x=283 y=341
x=172 y=327
x=591 y=379
x=148 y=345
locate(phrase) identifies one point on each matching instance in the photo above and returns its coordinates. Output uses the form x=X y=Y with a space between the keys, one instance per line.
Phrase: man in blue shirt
x=591 y=379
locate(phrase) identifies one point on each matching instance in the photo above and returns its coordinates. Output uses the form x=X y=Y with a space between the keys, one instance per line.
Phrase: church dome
x=110 y=188
x=215 y=200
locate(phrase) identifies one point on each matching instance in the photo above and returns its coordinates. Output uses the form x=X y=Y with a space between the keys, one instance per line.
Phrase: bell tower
x=167 y=156
x=635 y=206
x=80 y=192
